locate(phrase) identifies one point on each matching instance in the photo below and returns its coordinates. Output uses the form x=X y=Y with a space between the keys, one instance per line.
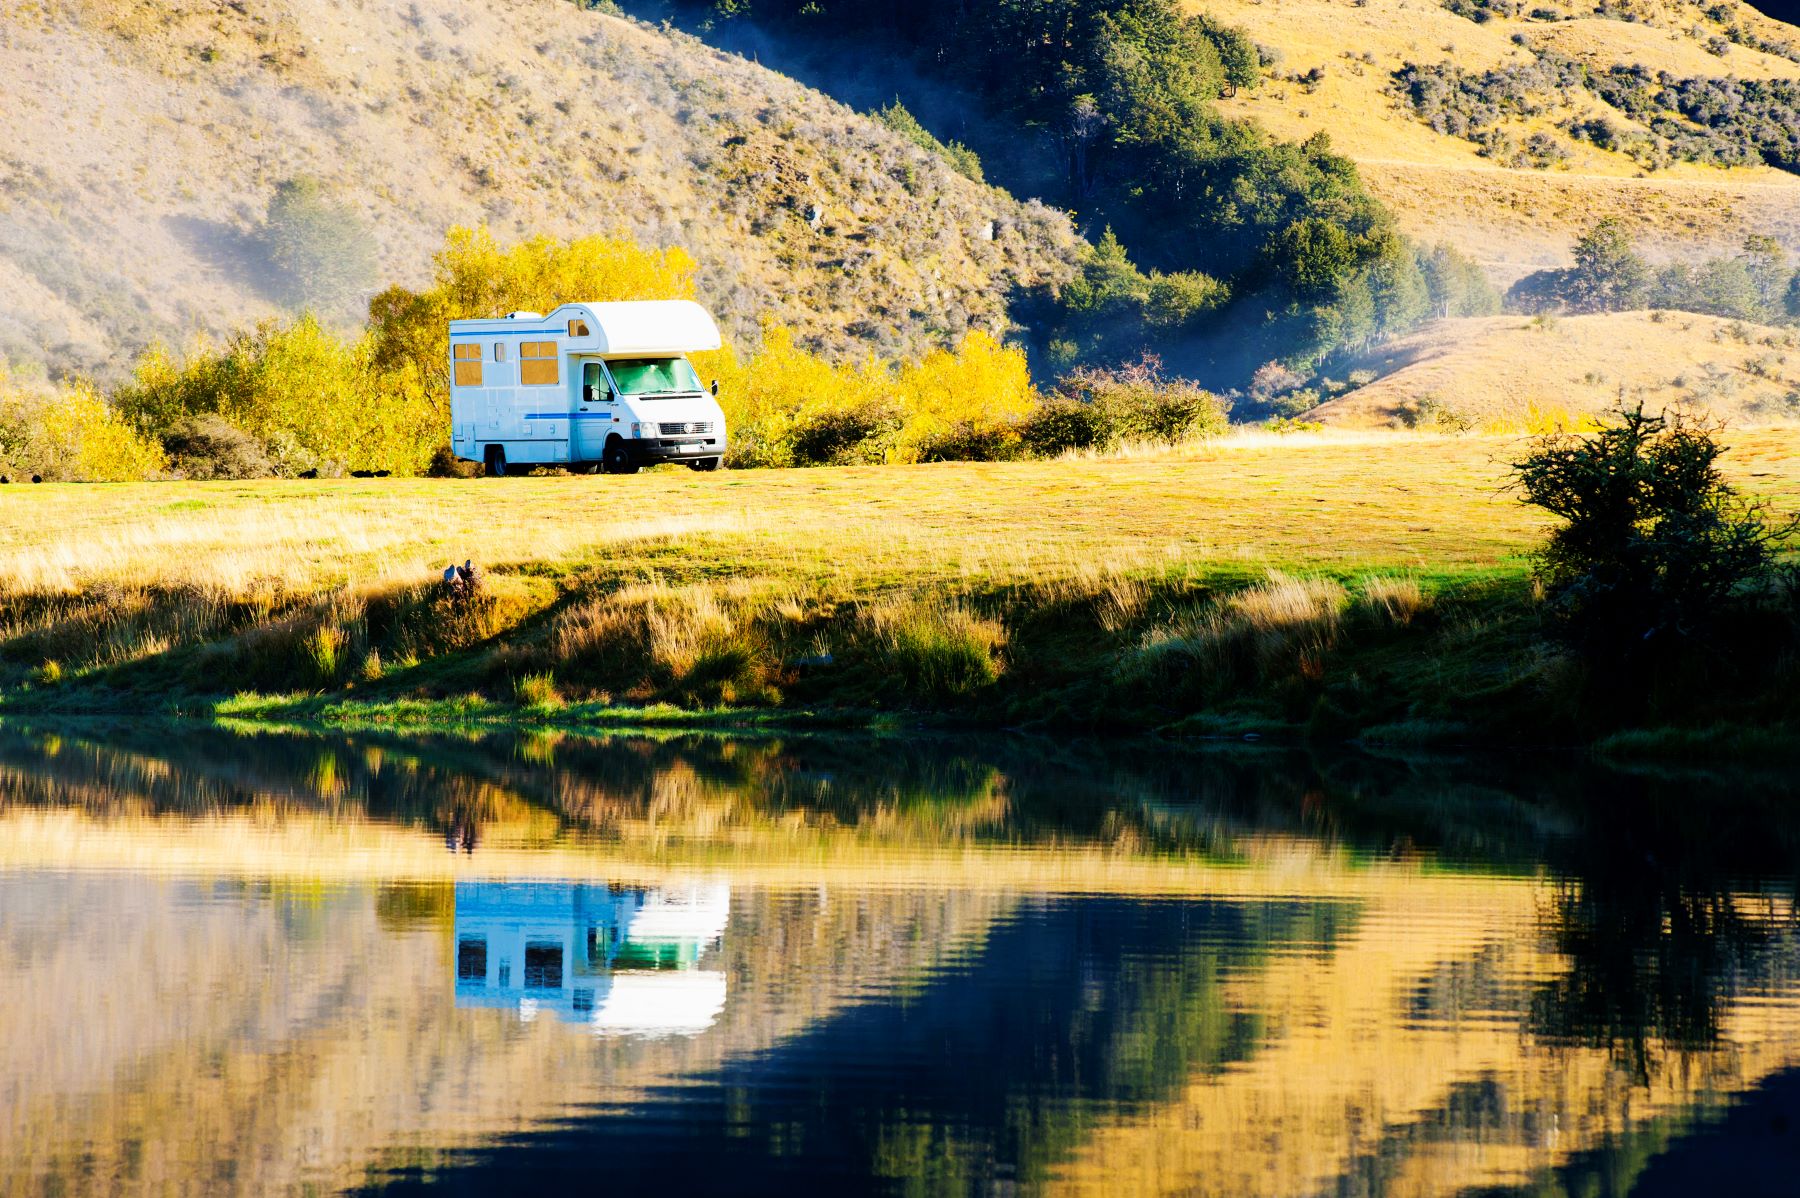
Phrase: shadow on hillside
x=235 y=256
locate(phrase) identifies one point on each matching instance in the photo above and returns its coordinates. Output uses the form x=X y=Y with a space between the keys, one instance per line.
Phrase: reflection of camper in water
x=624 y=962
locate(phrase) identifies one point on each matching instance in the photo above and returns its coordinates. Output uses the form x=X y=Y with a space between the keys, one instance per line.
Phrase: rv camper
x=605 y=385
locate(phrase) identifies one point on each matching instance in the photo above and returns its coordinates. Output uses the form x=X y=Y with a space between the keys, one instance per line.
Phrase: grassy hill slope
x=146 y=139
x=1499 y=368
x=1517 y=220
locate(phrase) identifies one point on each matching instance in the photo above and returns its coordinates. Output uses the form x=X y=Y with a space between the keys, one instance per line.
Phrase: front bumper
x=644 y=451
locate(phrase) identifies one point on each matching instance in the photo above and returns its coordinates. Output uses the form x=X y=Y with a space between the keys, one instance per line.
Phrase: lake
x=291 y=961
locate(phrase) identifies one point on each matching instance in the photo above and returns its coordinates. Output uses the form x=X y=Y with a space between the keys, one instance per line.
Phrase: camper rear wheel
x=618 y=458
x=494 y=459
x=704 y=464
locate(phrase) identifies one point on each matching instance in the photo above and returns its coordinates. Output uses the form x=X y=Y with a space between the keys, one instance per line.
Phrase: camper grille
x=678 y=430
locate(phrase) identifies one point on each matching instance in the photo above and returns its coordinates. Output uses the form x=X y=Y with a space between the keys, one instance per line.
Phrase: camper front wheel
x=618 y=458
x=495 y=461
x=704 y=464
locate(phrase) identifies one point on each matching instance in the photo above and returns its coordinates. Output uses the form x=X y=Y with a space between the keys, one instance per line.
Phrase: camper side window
x=499 y=351
x=467 y=362
x=538 y=364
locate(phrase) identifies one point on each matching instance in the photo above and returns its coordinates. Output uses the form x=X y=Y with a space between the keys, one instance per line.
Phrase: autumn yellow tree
x=473 y=277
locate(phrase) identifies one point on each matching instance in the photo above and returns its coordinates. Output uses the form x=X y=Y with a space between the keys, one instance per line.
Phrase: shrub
x=1177 y=299
x=1430 y=412
x=1063 y=425
x=970 y=442
x=1295 y=404
x=309 y=396
x=1139 y=404
x=787 y=406
x=981 y=383
x=847 y=436
x=70 y=434
x=1653 y=544
x=208 y=446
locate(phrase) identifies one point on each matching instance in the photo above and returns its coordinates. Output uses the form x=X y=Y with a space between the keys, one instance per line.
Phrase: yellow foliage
x=783 y=385
x=70 y=434
x=303 y=391
x=473 y=277
x=983 y=383
x=1542 y=419
x=382 y=402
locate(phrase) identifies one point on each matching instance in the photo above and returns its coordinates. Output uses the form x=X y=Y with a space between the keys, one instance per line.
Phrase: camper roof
x=632 y=328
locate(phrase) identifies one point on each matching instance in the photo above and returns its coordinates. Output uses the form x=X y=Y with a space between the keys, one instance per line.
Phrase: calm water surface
x=316 y=962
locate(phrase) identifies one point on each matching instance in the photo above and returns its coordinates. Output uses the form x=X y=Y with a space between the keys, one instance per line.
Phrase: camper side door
x=596 y=410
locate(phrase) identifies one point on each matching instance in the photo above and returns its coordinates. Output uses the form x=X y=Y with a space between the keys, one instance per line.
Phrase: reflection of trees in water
x=1651 y=967
x=925 y=792
x=1655 y=959
x=1654 y=917
x=1148 y=796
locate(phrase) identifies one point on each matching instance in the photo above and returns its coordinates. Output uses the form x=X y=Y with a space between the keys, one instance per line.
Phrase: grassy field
x=1334 y=582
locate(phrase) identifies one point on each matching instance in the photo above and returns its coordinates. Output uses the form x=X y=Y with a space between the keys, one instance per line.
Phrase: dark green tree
x=1609 y=274
x=321 y=252
x=1653 y=542
x=1766 y=261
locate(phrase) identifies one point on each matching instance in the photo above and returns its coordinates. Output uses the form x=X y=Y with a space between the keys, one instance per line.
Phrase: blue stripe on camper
x=570 y=416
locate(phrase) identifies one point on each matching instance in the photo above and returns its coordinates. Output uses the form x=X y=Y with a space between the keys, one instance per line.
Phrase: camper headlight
x=643 y=430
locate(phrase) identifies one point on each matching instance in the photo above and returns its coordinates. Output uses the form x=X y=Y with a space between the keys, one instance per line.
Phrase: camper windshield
x=654 y=376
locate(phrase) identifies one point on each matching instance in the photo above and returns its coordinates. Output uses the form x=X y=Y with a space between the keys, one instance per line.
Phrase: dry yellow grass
x=1389 y=502
x=1393 y=501
x=1514 y=221
x=1504 y=368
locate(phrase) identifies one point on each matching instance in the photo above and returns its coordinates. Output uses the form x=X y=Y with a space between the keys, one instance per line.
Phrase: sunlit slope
x=1509 y=368
x=146 y=139
x=1513 y=220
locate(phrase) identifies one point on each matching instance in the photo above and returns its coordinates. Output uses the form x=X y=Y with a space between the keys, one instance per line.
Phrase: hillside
x=1499 y=368
x=1515 y=218
x=147 y=139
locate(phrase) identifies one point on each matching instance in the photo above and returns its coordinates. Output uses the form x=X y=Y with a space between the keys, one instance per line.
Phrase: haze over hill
x=1500 y=370
x=1516 y=219
x=147 y=139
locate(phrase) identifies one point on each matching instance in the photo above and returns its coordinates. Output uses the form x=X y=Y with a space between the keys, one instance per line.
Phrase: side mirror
x=588 y=390
x=715 y=388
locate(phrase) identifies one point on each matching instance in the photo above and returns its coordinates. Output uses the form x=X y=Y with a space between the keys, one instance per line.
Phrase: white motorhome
x=605 y=385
